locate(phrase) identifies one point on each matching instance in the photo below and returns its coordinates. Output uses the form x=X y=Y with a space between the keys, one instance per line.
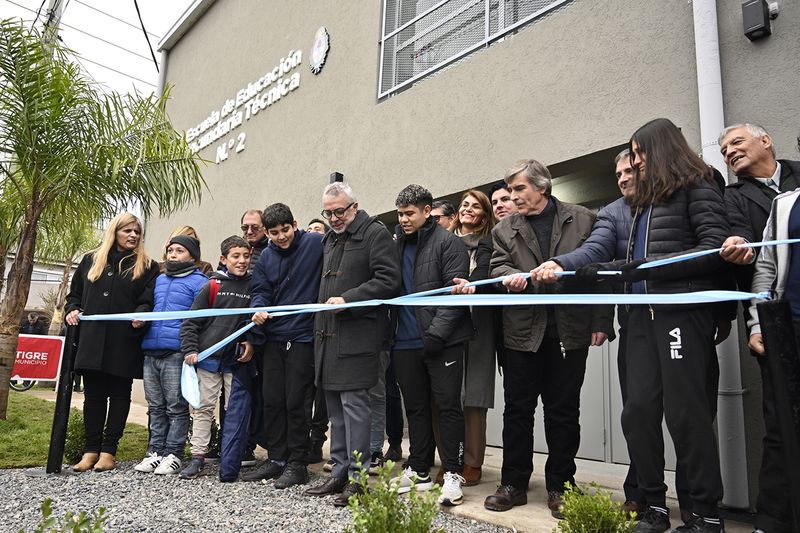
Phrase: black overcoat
x=112 y=347
x=359 y=264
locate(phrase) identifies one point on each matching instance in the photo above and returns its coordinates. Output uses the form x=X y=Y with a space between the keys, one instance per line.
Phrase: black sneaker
x=652 y=521
x=394 y=453
x=268 y=470
x=375 y=463
x=249 y=458
x=293 y=474
x=702 y=525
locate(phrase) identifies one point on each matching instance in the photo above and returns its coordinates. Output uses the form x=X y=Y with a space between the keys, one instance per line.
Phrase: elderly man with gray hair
x=750 y=154
x=546 y=346
x=360 y=262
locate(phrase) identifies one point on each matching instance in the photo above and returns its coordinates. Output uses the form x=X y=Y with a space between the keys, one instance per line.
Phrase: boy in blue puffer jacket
x=175 y=290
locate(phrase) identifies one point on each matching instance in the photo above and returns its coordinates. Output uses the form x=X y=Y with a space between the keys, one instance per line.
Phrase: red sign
x=38 y=357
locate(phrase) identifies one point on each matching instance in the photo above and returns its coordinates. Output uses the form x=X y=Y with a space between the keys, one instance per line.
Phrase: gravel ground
x=145 y=502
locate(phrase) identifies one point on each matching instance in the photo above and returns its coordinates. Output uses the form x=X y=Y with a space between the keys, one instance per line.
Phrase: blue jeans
x=168 y=411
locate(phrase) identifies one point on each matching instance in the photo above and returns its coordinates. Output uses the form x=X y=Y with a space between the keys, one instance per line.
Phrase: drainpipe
x=162 y=73
x=730 y=414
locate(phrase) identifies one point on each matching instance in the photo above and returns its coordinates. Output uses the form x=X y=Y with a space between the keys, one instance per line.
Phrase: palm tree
x=63 y=244
x=73 y=150
x=10 y=217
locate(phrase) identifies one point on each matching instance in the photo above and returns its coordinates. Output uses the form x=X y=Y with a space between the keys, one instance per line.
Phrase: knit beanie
x=191 y=244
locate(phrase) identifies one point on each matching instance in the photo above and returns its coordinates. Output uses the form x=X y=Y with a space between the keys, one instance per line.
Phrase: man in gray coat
x=546 y=346
x=360 y=263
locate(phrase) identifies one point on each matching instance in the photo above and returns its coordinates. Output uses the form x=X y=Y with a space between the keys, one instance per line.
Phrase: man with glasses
x=443 y=213
x=360 y=262
x=254 y=233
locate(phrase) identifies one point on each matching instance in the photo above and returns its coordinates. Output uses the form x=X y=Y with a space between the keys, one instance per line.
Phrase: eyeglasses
x=327 y=213
x=251 y=228
x=436 y=217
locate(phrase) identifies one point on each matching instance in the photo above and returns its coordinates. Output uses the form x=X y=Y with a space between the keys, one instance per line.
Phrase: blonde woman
x=117 y=277
x=204 y=266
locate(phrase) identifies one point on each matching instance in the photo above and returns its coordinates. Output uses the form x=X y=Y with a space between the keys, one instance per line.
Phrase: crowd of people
x=292 y=374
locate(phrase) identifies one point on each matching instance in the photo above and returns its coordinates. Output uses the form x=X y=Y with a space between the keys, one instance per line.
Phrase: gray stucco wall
x=560 y=88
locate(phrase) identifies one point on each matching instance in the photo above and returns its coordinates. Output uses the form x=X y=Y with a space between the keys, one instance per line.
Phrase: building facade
x=448 y=94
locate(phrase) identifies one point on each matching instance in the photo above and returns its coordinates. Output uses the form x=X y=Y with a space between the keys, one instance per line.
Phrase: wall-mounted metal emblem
x=319 y=50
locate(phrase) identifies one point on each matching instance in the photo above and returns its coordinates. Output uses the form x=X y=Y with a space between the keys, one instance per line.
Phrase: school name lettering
x=248 y=102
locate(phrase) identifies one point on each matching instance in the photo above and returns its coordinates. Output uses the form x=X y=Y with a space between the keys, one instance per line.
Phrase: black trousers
x=106 y=403
x=557 y=377
x=426 y=378
x=319 y=419
x=287 y=384
x=773 y=504
x=631 y=484
x=394 y=406
x=668 y=361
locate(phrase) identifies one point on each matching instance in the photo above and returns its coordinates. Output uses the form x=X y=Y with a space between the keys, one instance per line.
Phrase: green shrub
x=587 y=509
x=70 y=522
x=382 y=510
x=76 y=437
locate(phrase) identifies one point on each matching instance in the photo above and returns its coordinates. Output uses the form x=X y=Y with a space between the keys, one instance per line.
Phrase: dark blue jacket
x=172 y=294
x=284 y=277
x=608 y=240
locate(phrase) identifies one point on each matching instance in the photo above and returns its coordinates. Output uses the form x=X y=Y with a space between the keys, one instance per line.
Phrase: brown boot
x=440 y=476
x=86 y=463
x=105 y=463
x=472 y=475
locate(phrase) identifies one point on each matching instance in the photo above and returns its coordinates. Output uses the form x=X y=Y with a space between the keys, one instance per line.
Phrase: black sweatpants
x=668 y=363
x=287 y=384
x=106 y=403
x=631 y=483
x=426 y=378
x=557 y=377
x=319 y=418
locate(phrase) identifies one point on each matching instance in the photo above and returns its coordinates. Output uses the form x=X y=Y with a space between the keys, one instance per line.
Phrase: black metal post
x=58 y=435
x=780 y=345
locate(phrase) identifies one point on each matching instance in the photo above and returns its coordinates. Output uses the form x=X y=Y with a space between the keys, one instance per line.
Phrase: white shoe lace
x=452 y=481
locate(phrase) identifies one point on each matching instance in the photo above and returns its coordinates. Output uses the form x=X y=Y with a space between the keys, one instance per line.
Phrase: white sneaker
x=404 y=481
x=149 y=463
x=170 y=465
x=451 y=490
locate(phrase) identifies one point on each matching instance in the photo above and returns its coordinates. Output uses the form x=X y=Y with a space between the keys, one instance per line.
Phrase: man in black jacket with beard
x=749 y=153
x=429 y=345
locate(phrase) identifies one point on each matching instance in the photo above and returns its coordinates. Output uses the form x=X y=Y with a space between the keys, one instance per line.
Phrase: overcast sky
x=123 y=46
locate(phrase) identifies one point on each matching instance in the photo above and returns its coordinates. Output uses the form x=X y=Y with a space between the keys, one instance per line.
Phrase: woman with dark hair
x=678 y=208
x=117 y=277
x=473 y=223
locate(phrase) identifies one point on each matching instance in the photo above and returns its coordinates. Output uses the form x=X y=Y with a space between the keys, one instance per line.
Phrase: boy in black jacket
x=228 y=366
x=288 y=272
x=429 y=345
